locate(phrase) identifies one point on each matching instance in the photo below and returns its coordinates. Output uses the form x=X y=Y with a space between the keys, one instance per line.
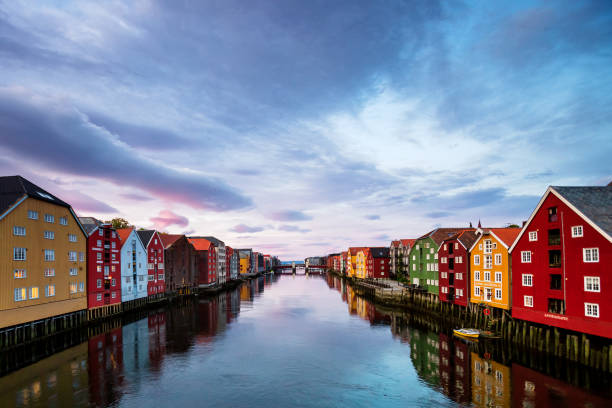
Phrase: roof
x=440 y=234
x=145 y=236
x=506 y=235
x=200 y=244
x=395 y=243
x=124 y=233
x=595 y=203
x=215 y=241
x=354 y=250
x=169 y=239
x=407 y=242
x=90 y=224
x=380 y=252
x=13 y=188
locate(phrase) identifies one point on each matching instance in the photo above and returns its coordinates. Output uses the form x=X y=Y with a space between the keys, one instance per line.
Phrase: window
x=33 y=215
x=73 y=272
x=498 y=259
x=525 y=256
x=20 y=294
x=443 y=260
x=155 y=241
x=488 y=261
x=49 y=255
x=106 y=272
x=476 y=259
x=498 y=294
x=477 y=275
x=49 y=218
x=114 y=295
x=72 y=256
x=414 y=267
x=19 y=273
x=19 y=231
x=73 y=287
x=98 y=268
x=527 y=279
x=99 y=297
x=113 y=244
x=488 y=246
x=528 y=301
x=477 y=291
x=113 y=256
x=150 y=278
x=114 y=282
x=34 y=292
x=459 y=292
x=81 y=286
x=591 y=309
x=63 y=221
x=50 y=290
x=590 y=254
x=591 y=284
x=488 y=294
x=426 y=256
x=99 y=283
x=72 y=238
x=459 y=259
x=556 y=306
x=577 y=231
x=533 y=235
x=498 y=276
x=554 y=236
x=81 y=256
x=459 y=276
x=49 y=272
x=100 y=233
x=552 y=214
x=49 y=235
x=99 y=243
x=19 y=254
x=113 y=269
x=487 y=276
x=99 y=256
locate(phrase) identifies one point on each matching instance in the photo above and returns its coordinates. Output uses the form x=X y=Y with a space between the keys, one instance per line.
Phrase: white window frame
x=525 y=256
x=49 y=289
x=590 y=255
x=487 y=276
x=31 y=292
x=477 y=275
x=592 y=284
x=20 y=254
x=32 y=215
x=459 y=276
x=19 y=231
x=476 y=259
x=498 y=291
x=488 y=295
x=20 y=294
x=49 y=272
x=488 y=261
x=73 y=272
x=72 y=256
x=577 y=231
x=20 y=274
x=72 y=238
x=528 y=279
x=50 y=218
x=498 y=259
x=75 y=286
x=49 y=255
x=533 y=236
x=99 y=297
x=528 y=301
x=49 y=235
x=498 y=276
x=477 y=291
x=63 y=221
x=591 y=310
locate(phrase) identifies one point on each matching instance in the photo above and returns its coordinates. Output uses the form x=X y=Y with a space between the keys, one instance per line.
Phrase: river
x=293 y=341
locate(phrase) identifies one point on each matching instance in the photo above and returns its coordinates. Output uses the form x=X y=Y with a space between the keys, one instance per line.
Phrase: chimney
x=524 y=222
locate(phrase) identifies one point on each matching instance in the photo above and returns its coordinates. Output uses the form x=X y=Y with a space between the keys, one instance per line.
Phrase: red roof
x=395 y=243
x=508 y=235
x=408 y=242
x=200 y=244
x=169 y=239
x=354 y=250
x=123 y=234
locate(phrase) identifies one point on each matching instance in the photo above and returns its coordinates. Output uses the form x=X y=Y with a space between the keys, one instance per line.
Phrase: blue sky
x=301 y=128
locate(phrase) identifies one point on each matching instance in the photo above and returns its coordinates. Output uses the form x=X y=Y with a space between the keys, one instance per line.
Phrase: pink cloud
x=167 y=218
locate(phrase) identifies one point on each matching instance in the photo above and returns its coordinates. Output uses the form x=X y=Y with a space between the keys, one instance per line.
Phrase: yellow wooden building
x=43 y=255
x=360 y=263
x=490 y=280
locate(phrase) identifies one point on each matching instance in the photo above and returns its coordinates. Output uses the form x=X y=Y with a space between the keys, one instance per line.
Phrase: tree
x=119 y=223
x=512 y=226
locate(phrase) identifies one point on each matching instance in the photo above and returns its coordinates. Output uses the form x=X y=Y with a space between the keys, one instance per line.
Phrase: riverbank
x=592 y=351
x=17 y=336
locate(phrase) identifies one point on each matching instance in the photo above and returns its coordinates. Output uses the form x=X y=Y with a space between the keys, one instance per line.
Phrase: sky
x=300 y=128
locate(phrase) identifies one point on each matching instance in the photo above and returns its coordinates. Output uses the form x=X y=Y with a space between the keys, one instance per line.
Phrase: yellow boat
x=471 y=334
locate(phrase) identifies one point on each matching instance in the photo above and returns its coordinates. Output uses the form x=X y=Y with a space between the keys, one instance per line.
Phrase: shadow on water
x=485 y=373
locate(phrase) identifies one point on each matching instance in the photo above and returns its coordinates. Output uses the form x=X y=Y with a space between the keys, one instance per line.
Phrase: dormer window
x=552 y=214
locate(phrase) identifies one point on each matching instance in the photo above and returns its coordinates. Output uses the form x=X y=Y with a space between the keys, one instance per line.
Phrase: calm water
x=294 y=341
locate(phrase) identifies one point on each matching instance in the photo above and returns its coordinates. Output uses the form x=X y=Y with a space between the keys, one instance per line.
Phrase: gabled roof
x=124 y=234
x=145 y=236
x=395 y=243
x=169 y=239
x=216 y=242
x=506 y=236
x=407 y=242
x=379 y=252
x=593 y=204
x=13 y=188
x=90 y=224
x=440 y=234
x=200 y=244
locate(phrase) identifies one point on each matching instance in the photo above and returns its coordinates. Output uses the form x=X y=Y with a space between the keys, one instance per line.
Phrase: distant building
x=377 y=263
x=454 y=267
x=221 y=259
x=245 y=260
x=233 y=263
x=43 y=263
x=207 y=261
x=180 y=262
x=399 y=253
x=134 y=266
x=155 y=261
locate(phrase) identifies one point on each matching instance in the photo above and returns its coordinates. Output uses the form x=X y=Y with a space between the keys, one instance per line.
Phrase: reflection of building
x=135 y=337
x=63 y=377
x=157 y=339
x=207 y=320
x=455 y=377
x=533 y=389
x=425 y=355
x=105 y=367
x=491 y=382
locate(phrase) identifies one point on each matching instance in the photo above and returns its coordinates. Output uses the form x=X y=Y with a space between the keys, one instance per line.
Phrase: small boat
x=472 y=334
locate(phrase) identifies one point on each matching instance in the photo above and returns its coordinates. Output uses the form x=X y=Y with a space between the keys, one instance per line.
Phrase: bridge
x=292 y=268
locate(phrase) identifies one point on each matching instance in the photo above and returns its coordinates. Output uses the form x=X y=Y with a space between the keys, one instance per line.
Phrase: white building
x=133 y=266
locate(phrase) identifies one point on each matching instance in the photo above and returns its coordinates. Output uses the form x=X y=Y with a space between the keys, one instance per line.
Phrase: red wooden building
x=561 y=261
x=207 y=261
x=155 y=261
x=454 y=267
x=377 y=262
x=180 y=264
x=103 y=263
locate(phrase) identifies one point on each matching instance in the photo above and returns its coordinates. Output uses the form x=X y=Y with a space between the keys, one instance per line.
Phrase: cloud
x=292 y=228
x=438 y=214
x=83 y=203
x=289 y=215
x=382 y=237
x=167 y=218
x=136 y=197
x=372 y=217
x=242 y=228
x=54 y=134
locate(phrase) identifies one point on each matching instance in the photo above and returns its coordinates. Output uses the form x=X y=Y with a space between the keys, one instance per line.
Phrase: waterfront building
x=155 y=261
x=491 y=383
x=360 y=263
x=103 y=264
x=423 y=261
x=490 y=279
x=399 y=252
x=134 y=272
x=244 y=263
x=377 y=263
x=343 y=262
x=221 y=259
x=206 y=262
x=180 y=263
x=233 y=262
x=42 y=243
x=454 y=267
x=561 y=261
x=351 y=259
